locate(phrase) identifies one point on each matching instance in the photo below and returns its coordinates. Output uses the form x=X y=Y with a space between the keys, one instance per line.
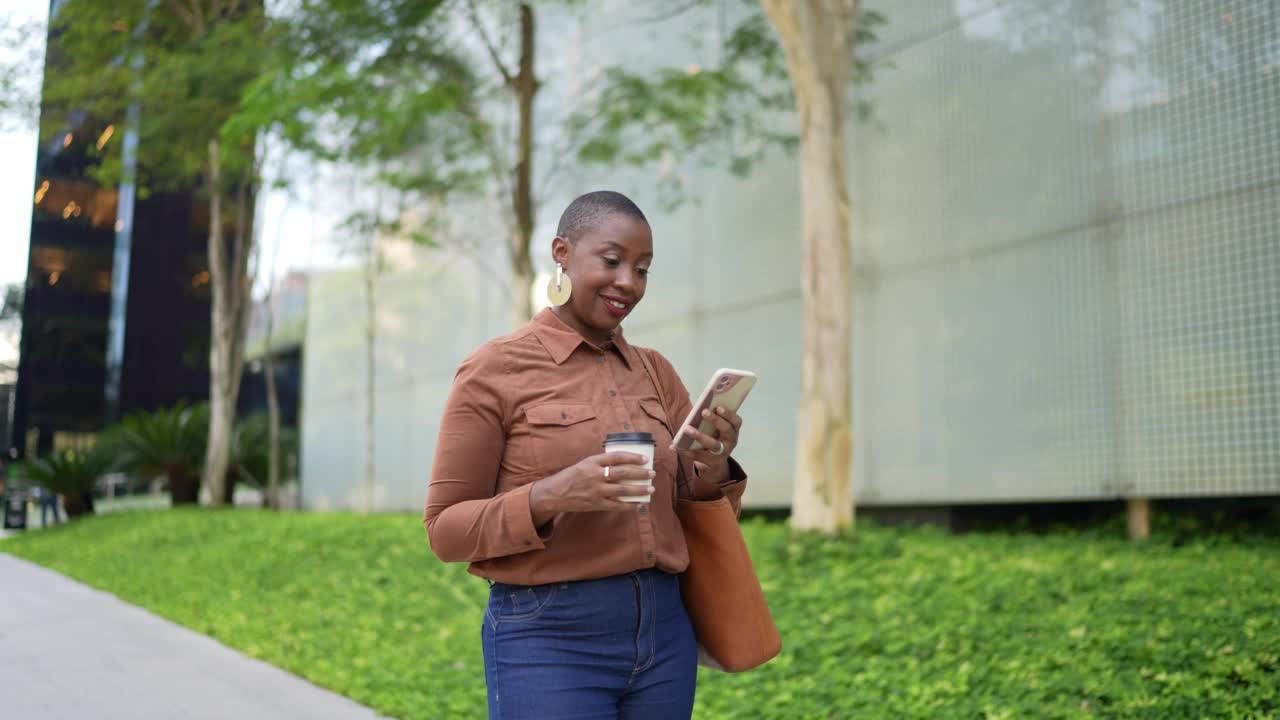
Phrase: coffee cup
x=639 y=443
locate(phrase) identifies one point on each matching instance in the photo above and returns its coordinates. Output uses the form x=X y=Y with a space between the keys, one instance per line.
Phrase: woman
x=584 y=618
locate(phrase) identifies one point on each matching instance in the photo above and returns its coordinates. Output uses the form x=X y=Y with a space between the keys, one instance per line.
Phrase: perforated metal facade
x=1067 y=243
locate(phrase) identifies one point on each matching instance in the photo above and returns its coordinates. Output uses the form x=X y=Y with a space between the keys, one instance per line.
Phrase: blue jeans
x=49 y=503
x=618 y=648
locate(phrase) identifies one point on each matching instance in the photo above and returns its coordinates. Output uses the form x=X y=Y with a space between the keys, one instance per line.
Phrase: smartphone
x=727 y=388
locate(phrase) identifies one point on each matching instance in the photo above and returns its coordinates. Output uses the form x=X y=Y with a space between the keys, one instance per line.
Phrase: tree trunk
x=78 y=503
x=184 y=489
x=229 y=488
x=272 y=497
x=271 y=494
x=228 y=281
x=817 y=38
x=370 y=357
x=1138 y=514
x=218 y=448
x=525 y=86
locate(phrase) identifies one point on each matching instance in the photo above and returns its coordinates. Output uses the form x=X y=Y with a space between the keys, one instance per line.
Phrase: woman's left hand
x=717 y=446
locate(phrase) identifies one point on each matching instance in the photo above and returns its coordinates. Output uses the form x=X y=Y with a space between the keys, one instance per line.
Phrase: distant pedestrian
x=48 y=502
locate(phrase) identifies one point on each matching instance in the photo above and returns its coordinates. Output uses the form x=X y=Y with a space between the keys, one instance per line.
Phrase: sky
x=17 y=181
x=16 y=174
x=17 y=165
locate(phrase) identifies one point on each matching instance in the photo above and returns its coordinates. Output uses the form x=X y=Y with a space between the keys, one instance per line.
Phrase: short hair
x=586 y=211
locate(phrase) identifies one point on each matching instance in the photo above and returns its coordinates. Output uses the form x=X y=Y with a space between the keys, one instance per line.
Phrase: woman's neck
x=600 y=338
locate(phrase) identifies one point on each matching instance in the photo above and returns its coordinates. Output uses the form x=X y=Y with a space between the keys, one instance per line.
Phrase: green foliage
x=167 y=441
x=172 y=441
x=889 y=623
x=185 y=64
x=251 y=448
x=362 y=81
x=23 y=41
x=379 y=85
x=70 y=472
x=732 y=113
x=638 y=118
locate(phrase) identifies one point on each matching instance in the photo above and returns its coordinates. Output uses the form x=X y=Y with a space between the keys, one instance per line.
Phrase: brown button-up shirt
x=522 y=408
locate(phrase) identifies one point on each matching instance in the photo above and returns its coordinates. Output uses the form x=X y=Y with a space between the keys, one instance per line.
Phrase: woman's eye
x=611 y=262
x=642 y=272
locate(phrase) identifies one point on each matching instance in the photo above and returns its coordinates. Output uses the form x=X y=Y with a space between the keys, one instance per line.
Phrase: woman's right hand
x=583 y=487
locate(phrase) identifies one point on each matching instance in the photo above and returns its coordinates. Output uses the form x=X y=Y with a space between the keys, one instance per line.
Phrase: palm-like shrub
x=71 y=474
x=251 y=453
x=168 y=442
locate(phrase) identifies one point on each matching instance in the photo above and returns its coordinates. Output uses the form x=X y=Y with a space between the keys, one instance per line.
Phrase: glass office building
x=116 y=308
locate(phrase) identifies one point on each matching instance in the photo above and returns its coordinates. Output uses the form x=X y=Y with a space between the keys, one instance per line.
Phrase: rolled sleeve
x=465 y=520
x=735 y=486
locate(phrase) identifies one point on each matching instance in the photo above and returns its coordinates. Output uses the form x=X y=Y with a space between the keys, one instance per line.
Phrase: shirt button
x=626 y=426
x=613 y=393
x=648 y=556
x=600 y=359
x=643 y=509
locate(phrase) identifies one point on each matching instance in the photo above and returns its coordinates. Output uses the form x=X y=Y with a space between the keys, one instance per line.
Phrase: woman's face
x=609 y=267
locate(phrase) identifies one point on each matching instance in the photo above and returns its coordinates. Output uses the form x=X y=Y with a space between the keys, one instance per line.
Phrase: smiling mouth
x=614 y=306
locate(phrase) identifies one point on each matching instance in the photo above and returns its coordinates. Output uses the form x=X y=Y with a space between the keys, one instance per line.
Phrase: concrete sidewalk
x=69 y=651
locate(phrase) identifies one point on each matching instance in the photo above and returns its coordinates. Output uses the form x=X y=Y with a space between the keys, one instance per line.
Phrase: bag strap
x=666 y=409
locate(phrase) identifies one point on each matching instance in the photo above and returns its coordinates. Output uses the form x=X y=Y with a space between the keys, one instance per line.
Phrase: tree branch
x=488 y=44
x=245 y=258
x=197 y=17
x=663 y=17
x=184 y=14
x=573 y=141
x=501 y=171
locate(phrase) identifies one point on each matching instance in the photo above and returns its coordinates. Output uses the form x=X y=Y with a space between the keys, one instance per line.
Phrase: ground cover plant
x=886 y=623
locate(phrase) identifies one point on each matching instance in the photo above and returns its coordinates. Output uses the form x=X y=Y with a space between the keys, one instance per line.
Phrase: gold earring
x=558 y=292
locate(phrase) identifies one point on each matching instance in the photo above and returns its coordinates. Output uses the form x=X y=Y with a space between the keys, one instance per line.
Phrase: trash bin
x=15 y=510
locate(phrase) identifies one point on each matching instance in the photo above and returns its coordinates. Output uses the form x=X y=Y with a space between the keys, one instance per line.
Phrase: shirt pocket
x=562 y=434
x=658 y=416
x=665 y=460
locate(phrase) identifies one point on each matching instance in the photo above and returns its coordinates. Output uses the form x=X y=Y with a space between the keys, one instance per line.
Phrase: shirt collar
x=561 y=340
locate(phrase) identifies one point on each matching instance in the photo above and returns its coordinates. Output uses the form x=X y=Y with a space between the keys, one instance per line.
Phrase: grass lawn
x=889 y=623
